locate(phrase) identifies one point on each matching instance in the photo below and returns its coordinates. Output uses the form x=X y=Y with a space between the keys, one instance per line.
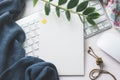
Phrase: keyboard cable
x=100 y=71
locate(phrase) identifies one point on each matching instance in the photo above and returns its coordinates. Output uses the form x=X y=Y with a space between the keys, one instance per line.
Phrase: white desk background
x=109 y=64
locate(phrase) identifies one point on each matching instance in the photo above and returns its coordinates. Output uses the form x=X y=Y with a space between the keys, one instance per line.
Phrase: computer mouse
x=110 y=44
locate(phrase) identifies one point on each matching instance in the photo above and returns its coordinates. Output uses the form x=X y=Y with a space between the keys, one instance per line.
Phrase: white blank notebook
x=61 y=42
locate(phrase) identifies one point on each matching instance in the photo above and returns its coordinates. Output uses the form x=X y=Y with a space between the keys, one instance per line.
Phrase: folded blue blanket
x=13 y=63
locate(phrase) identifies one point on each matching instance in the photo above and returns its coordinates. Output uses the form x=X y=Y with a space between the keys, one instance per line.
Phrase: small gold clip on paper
x=43 y=21
x=99 y=62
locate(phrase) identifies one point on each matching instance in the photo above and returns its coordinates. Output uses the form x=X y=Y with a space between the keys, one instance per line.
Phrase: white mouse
x=110 y=43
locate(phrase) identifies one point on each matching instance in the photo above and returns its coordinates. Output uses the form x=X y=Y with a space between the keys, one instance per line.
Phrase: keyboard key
x=28 y=35
x=36 y=53
x=29 y=54
x=37 y=31
x=93 y=3
x=33 y=27
x=101 y=12
x=100 y=19
x=107 y=24
x=88 y=31
x=31 y=23
x=30 y=42
x=35 y=39
x=26 y=29
x=28 y=49
x=100 y=26
x=31 y=34
x=35 y=46
x=94 y=30
x=98 y=7
x=24 y=25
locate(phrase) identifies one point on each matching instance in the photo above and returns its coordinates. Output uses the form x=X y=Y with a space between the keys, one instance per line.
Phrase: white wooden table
x=109 y=64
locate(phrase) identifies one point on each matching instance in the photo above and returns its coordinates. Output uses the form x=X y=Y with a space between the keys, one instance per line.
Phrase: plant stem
x=83 y=21
x=80 y=18
x=63 y=8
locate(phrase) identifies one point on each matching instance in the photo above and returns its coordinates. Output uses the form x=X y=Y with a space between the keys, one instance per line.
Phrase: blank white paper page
x=62 y=43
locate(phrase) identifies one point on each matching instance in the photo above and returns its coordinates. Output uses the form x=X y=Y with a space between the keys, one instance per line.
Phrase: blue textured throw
x=13 y=63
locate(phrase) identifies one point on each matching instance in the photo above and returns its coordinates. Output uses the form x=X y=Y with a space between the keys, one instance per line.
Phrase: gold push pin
x=43 y=21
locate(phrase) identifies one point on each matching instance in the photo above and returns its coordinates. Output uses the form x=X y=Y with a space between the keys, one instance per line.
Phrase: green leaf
x=94 y=15
x=72 y=4
x=50 y=0
x=68 y=16
x=82 y=6
x=89 y=10
x=91 y=21
x=47 y=8
x=61 y=2
x=58 y=11
x=35 y=2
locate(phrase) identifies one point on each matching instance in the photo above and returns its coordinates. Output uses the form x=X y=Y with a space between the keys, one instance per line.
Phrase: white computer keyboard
x=103 y=22
x=31 y=27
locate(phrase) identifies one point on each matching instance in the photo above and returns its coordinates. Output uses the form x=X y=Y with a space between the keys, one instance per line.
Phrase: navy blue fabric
x=13 y=63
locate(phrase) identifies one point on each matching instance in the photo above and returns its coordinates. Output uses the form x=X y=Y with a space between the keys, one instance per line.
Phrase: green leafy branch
x=82 y=9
